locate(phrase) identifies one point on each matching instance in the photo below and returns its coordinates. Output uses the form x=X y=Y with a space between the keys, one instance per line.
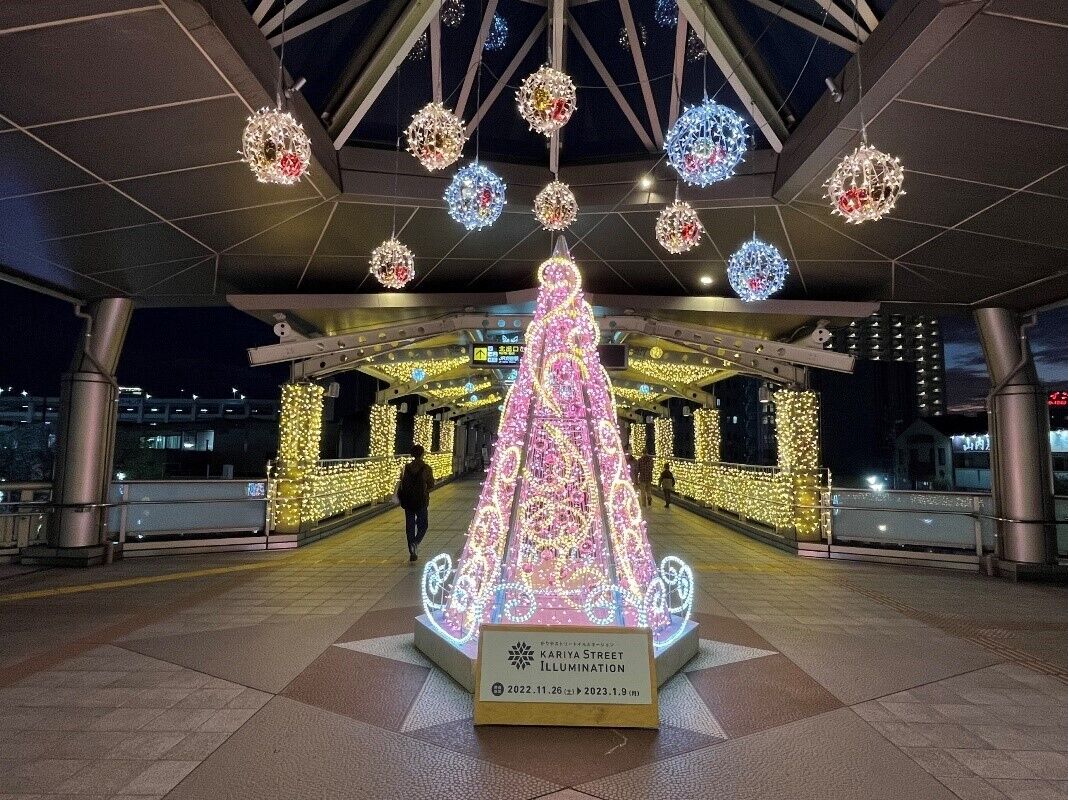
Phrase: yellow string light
x=669 y=372
x=637 y=438
x=706 y=435
x=383 y=431
x=401 y=370
x=423 y=431
x=663 y=442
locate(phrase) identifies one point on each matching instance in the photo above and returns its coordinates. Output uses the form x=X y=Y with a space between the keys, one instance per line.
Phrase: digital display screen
x=497 y=354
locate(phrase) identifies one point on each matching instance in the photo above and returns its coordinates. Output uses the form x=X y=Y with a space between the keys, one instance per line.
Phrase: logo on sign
x=520 y=655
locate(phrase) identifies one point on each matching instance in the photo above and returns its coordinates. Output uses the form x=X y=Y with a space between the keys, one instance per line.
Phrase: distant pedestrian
x=645 y=479
x=632 y=466
x=667 y=483
x=413 y=494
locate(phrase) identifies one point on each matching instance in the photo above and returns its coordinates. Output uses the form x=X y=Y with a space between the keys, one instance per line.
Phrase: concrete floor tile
x=159 y=778
x=971 y=788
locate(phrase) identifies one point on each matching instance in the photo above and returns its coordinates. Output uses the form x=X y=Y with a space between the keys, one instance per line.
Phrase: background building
x=902 y=337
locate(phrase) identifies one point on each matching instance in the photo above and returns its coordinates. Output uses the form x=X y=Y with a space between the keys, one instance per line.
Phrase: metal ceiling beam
x=506 y=76
x=737 y=72
x=913 y=33
x=679 y=69
x=643 y=77
x=261 y=10
x=358 y=93
x=613 y=89
x=425 y=387
x=316 y=21
x=287 y=12
x=866 y=13
x=684 y=392
x=475 y=61
x=842 y=17
x=435 y=57
x=813 y=26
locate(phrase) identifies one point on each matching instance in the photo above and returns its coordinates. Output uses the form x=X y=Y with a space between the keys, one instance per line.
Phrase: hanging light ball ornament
x=452 y=13
x=666 y=13
x=275 y=147
x=656 y=352
x=555 y=206
x=418 y=374
x=497 y=37
x=546 y=100
x=392 y=264
x=865 y=185
x=695 y=48
x=678 y=228
x=420 y=48
x=706 y=143
x=757 y=270
x=624 y=36
x=475 y=196
x=436 y=136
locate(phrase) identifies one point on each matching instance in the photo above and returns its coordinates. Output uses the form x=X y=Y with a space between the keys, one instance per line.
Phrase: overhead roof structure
x=120 y=122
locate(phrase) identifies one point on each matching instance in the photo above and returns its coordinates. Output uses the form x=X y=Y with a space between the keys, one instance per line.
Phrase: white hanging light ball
x=757 y=270
x=865 y=185
x=706 y=143
x=392 y=264
x=555 y=206
x=275 y=147
x=546 y=100
x=452 y=13
x=436 y=136
x=678 y=228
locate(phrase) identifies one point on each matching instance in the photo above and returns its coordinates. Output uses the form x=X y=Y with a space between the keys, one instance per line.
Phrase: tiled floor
x=290 y=675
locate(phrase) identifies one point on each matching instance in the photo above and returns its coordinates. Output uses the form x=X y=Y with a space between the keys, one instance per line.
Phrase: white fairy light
x=275 y=147
x=555 y=206
x=546 y=100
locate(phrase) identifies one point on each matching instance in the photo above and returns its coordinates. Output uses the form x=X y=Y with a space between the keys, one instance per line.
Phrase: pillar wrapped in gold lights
x=637 y=438
x=663 y=442
x=423 y=431
x=797 y=434
x=446 y=437
x=706 y=435
x=300 y=428
x=383 y=431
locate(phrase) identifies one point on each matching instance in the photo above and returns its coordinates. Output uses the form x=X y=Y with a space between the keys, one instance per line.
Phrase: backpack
x=410 y=489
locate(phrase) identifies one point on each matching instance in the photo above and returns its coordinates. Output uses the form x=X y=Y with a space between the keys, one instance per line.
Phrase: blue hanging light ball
x=418 y=374
x=645 y=388
x=497 y=37
x=475 y=196
x=707 y=143
x=666 y=13
x=757 y=270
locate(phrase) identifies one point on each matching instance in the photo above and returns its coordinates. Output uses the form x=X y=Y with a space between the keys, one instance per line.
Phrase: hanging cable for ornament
x=452 y=13
x=274 y=144
x=497 y=37
x=546 y=100
x=706 y=143
x=475 y=196
x=555 y=206
x=392 y=264
x=436 y=136
x=866 y=183
x=678 y=228
x=666 y=13
x=757 y=270
x=624 y=36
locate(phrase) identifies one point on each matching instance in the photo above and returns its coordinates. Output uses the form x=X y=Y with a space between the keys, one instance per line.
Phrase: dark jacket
x=413 y=489
x=645 y=469
x=667 y=480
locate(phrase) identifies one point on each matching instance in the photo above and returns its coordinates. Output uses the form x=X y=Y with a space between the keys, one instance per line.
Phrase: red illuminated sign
x=1058 y=399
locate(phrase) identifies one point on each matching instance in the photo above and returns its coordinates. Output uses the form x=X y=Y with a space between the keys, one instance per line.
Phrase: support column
x=1020 y=464
x=423 y=431
x=706 y=435
x=663 y=443
x=88 y=416
x=797 y=437
x=383 y=431
x=300 y=428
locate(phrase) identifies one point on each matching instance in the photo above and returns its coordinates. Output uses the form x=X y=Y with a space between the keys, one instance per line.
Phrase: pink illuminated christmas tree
x=557 y=537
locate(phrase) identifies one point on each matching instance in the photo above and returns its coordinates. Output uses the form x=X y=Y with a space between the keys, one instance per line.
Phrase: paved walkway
x=291 y=675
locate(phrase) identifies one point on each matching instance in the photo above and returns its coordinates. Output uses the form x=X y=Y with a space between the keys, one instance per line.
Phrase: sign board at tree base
x=566 y=675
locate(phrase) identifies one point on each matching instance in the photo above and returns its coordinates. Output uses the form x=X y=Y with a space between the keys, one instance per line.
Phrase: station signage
x=565 y=675
x=509 y=354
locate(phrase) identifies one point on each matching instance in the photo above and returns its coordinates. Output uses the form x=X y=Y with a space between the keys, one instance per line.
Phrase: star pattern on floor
x=442 y=700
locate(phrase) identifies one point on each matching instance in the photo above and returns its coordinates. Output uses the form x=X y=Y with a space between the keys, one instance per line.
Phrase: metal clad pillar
x=1020 y=462
x=88 y=415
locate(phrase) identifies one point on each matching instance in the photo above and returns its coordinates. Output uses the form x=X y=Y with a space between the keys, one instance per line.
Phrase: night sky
x=202 y=351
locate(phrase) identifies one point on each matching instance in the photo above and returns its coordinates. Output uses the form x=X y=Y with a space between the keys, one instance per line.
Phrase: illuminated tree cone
x=557 y=537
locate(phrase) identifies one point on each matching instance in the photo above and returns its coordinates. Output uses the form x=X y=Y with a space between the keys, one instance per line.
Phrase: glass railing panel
x=941 y=520
x=155 y=509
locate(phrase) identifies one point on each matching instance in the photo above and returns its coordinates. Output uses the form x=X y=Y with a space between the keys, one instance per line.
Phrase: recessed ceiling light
x=706 y=280
x=645 y=182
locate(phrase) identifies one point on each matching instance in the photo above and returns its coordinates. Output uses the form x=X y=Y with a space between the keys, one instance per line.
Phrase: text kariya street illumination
x=557 y=537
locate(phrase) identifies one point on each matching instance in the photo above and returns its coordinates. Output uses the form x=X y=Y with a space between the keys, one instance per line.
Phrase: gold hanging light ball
x=546 y=100
x=678 y=228
x=436 y=136
x=392 y=264
x=865 y=185
x=555 y=206
x=656 y=352
x=275 y=147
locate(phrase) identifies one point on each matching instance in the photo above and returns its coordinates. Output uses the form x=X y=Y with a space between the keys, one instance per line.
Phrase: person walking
x=645 y=479
x=413 y=494
x=667 y=483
